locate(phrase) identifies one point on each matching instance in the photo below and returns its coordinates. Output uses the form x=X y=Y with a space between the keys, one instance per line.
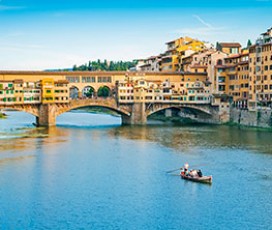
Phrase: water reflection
x=187 y=137
x=68 y=176
x=15 y=137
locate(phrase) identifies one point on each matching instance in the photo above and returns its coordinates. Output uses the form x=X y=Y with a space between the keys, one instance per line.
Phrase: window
x=104 y=79
x=88 y=79
x=73 y=79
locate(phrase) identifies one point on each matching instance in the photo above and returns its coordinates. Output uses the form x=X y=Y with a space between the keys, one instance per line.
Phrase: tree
x=105 y=66
x=90 y=92
x=90 y=66
x=249 y=43
x=103 y=91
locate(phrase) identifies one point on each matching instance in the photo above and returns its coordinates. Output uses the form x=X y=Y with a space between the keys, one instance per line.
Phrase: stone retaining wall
x=259 y=118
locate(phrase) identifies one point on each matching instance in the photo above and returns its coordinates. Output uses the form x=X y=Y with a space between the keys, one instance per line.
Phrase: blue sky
x=37 y=35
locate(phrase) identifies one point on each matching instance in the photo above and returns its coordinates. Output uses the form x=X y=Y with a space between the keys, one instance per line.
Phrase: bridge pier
x=138 y=115
x=47 y=115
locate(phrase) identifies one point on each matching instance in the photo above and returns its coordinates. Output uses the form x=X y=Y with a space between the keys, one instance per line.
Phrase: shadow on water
x=207 y=136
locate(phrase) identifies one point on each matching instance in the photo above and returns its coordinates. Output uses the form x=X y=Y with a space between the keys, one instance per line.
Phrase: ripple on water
x=82 y=174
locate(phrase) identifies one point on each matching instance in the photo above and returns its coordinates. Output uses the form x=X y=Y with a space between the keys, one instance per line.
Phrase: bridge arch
x=108 y=103
x=74 y=92
x=30 y=109
x=88 y=91
x=104 y=91
x=193 y=109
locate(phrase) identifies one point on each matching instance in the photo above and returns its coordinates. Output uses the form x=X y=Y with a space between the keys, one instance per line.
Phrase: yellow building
x=232 y=79
x=48 y=93
x=61 y=91
x=170 y=61
x=260 y=72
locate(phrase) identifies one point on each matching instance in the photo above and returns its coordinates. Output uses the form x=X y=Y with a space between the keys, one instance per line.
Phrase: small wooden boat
x=201 y=179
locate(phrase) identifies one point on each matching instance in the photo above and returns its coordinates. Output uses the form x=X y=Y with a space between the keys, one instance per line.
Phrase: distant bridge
x=131 y=113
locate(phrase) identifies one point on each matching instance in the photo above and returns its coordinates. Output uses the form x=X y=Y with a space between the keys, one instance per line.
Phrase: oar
x=173 y=170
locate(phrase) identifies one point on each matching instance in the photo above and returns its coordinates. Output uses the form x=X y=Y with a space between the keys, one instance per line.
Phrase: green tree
x=103 y=91
x=249 y=43
x=105 y=66
x=90 y=92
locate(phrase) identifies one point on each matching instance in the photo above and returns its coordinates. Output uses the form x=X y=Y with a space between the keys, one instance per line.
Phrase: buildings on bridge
x=14 y=92
x=189 y=89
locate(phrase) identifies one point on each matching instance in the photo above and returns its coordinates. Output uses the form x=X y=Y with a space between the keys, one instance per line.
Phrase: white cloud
x=207 y=30
x=203 y=22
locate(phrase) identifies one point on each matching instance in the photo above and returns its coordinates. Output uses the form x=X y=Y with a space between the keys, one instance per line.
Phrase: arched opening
x=182 y=115
x=16 y=122
x=90 y=116
x=88 y=91
x=171 y=114
x=74 y=92
x=104 y=91
x=219 y=62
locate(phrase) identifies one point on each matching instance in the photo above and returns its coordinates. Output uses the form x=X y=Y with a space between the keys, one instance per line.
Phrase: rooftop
x=230 y=44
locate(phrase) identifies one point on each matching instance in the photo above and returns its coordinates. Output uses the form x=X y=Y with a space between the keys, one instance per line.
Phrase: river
x=90 y=172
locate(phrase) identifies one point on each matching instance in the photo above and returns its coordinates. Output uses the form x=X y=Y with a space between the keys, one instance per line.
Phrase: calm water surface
x=91 y=173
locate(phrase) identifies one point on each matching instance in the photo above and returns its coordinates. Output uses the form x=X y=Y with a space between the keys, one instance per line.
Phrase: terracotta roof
x=62 y=82
x=230 y=44
x=18 y=81
x=199 y=66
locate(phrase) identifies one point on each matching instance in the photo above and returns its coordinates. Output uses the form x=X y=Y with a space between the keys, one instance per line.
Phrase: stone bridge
x=131 y=113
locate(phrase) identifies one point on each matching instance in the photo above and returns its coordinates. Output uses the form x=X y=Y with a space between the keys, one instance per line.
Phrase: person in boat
x=185 y=169
x=195 y=173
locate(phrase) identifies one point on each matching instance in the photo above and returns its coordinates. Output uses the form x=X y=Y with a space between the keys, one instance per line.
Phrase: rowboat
x=202 y=179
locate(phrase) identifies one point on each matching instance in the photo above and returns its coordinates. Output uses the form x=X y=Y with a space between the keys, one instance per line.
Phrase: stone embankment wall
x=260 y=118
